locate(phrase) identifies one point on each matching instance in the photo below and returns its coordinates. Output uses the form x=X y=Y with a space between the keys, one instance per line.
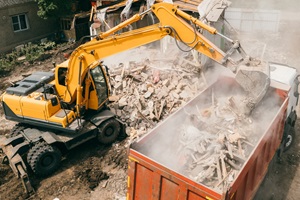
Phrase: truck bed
x=158 y=169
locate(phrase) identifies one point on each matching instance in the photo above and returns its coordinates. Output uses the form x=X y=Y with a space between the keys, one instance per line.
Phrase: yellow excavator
x=61 y=110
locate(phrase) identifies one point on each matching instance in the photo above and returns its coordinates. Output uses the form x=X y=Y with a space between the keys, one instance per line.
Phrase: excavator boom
x=251 y=75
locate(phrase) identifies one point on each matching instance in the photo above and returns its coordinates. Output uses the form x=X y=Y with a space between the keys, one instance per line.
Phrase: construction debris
x=215 y=142
x=143 y=94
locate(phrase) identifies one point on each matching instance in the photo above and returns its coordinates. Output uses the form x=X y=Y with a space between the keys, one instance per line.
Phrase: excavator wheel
x=108 y=131
x=43 y=158
x=289 y=139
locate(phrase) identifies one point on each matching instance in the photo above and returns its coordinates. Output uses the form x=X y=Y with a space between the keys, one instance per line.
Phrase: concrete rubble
x=215 y=142
x=142 y=94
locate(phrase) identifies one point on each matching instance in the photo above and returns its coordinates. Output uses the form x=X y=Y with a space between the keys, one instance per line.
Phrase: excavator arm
x=184 y=28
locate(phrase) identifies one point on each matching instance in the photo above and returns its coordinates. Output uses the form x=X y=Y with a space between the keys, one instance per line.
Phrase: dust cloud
x=197 y=131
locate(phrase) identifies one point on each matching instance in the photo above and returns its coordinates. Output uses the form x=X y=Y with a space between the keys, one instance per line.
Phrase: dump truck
x=219 y=155
x=60 y=110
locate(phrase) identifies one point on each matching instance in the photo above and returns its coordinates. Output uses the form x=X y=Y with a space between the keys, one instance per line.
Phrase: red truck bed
x=150 y=177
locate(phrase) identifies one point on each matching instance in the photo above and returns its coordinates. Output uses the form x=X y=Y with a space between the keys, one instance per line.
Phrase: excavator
x=57 y=111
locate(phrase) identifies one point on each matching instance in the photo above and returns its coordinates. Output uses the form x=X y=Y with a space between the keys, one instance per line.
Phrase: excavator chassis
x=17 y=146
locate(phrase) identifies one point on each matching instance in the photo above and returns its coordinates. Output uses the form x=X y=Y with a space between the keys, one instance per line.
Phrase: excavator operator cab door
x=100 y=91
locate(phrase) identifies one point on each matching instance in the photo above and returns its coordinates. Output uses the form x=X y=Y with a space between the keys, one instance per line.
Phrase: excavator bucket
x=254 y=78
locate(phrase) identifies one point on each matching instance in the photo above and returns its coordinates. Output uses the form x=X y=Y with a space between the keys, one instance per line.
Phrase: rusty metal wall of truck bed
x=148 y=179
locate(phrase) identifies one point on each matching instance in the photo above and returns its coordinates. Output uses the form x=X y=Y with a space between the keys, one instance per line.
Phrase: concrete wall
x=38 y=28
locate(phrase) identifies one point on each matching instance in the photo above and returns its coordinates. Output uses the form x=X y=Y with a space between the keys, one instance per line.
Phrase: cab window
x=100 y=84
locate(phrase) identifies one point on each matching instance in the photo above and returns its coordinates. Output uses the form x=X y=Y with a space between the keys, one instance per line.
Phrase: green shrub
x=32 y=52
x=48 y=45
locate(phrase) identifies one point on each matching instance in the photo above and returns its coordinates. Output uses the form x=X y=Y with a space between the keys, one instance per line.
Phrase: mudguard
x=105 y=115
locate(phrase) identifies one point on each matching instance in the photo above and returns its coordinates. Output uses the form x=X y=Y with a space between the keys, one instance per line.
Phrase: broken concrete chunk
x=118 y=78
x=124 y=83
x=118 y=85
x=150 y=89
x=136 y=93
x=144 y=75
x=147 y=94
x=133 y=114
x=180 y=86
x=143 y=88
x=146 y=112
x=175 y=94
x=166 y=82
x=150 y=105
x=175 y=80
x=152 y=116
x=156 y=77
x=163 y=92
x=184 y=95
x=114 y=98
x=123 y=102
x=171 y=86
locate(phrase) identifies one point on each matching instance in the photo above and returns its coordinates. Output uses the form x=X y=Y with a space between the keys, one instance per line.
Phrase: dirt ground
x=85 y=172
x=91 y=171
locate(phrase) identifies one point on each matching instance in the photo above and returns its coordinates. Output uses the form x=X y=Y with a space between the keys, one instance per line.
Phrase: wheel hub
x=289 y=140
x=47 y=161
x=109 y=131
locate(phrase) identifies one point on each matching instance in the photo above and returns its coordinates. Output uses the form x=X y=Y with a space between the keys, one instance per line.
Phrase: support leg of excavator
x=13 y=148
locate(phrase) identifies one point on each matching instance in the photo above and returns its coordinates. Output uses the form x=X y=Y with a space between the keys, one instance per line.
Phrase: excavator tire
x=43 y=158
x=108 y=131
x=289 y=139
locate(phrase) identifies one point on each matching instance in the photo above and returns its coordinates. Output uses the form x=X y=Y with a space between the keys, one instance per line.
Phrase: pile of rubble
x=212 y=143
x=143 y=93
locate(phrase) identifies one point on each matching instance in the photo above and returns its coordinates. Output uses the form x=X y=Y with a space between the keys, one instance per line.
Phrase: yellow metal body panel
x=33 y=108
x=65 y=120
x=93 y=100
x=13 y=102
x=36 y=107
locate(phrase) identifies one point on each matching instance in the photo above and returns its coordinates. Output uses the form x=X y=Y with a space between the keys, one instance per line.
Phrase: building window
x=20 y=22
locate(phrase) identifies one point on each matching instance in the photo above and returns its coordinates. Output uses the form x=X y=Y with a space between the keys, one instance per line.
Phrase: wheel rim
x=47 y=161
x=109 y=131
x=289 y=139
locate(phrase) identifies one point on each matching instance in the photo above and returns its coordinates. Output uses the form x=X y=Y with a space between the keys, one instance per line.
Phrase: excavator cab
x=100 y=90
